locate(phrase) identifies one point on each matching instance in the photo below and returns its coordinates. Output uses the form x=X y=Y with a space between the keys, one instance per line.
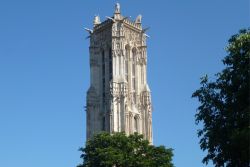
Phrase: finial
x=96 y=20
x=138 y=19
x=117 y=8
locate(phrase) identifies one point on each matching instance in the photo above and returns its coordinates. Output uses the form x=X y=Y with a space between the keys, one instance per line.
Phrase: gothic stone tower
x=118 y=99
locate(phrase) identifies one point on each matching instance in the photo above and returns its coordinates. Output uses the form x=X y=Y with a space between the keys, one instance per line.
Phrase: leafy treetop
x=119 y=150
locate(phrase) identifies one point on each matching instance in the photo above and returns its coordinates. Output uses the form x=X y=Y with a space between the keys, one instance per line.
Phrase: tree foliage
x=224 y=107
x=119 y=150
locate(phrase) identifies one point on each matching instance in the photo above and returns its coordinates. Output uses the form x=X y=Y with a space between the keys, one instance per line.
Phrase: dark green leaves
x=224 y=107
x=108 y=150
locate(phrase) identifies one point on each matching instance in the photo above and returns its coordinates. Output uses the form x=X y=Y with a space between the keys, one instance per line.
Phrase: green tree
x=224 y=107
x=119 y=150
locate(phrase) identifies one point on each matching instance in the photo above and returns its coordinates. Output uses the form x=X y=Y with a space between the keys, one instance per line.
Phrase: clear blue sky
x=44 y=72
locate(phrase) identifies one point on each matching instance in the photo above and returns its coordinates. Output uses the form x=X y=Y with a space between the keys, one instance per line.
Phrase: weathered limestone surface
x=119 y=97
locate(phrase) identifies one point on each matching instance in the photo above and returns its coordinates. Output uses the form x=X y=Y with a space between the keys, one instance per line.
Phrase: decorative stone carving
x=118 y=89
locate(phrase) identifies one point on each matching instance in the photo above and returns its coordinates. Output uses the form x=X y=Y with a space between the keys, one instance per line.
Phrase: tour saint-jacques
x=118 y=99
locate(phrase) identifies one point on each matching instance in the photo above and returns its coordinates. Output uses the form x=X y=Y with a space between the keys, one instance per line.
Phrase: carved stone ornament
x=118 y=56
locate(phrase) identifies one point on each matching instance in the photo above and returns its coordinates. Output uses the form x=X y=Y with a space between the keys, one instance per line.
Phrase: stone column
x=140 y=125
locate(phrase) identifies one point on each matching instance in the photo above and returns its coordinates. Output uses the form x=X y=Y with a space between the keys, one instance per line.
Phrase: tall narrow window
x=135 y=124
x=103 y=75
x=133 y=69
x=110 y=64
x=134 y=98
x=133 y=76
x=126 y=62
x=126 y=69
x=120 y=64
x=103 y=64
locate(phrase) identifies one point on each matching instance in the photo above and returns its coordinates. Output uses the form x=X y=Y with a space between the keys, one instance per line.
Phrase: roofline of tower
x=133 y=24
x=117 y=17
x=128 y=23
x=102 y=25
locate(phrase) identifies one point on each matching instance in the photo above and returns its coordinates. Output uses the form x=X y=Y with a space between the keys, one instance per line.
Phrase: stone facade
x=118 y=99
